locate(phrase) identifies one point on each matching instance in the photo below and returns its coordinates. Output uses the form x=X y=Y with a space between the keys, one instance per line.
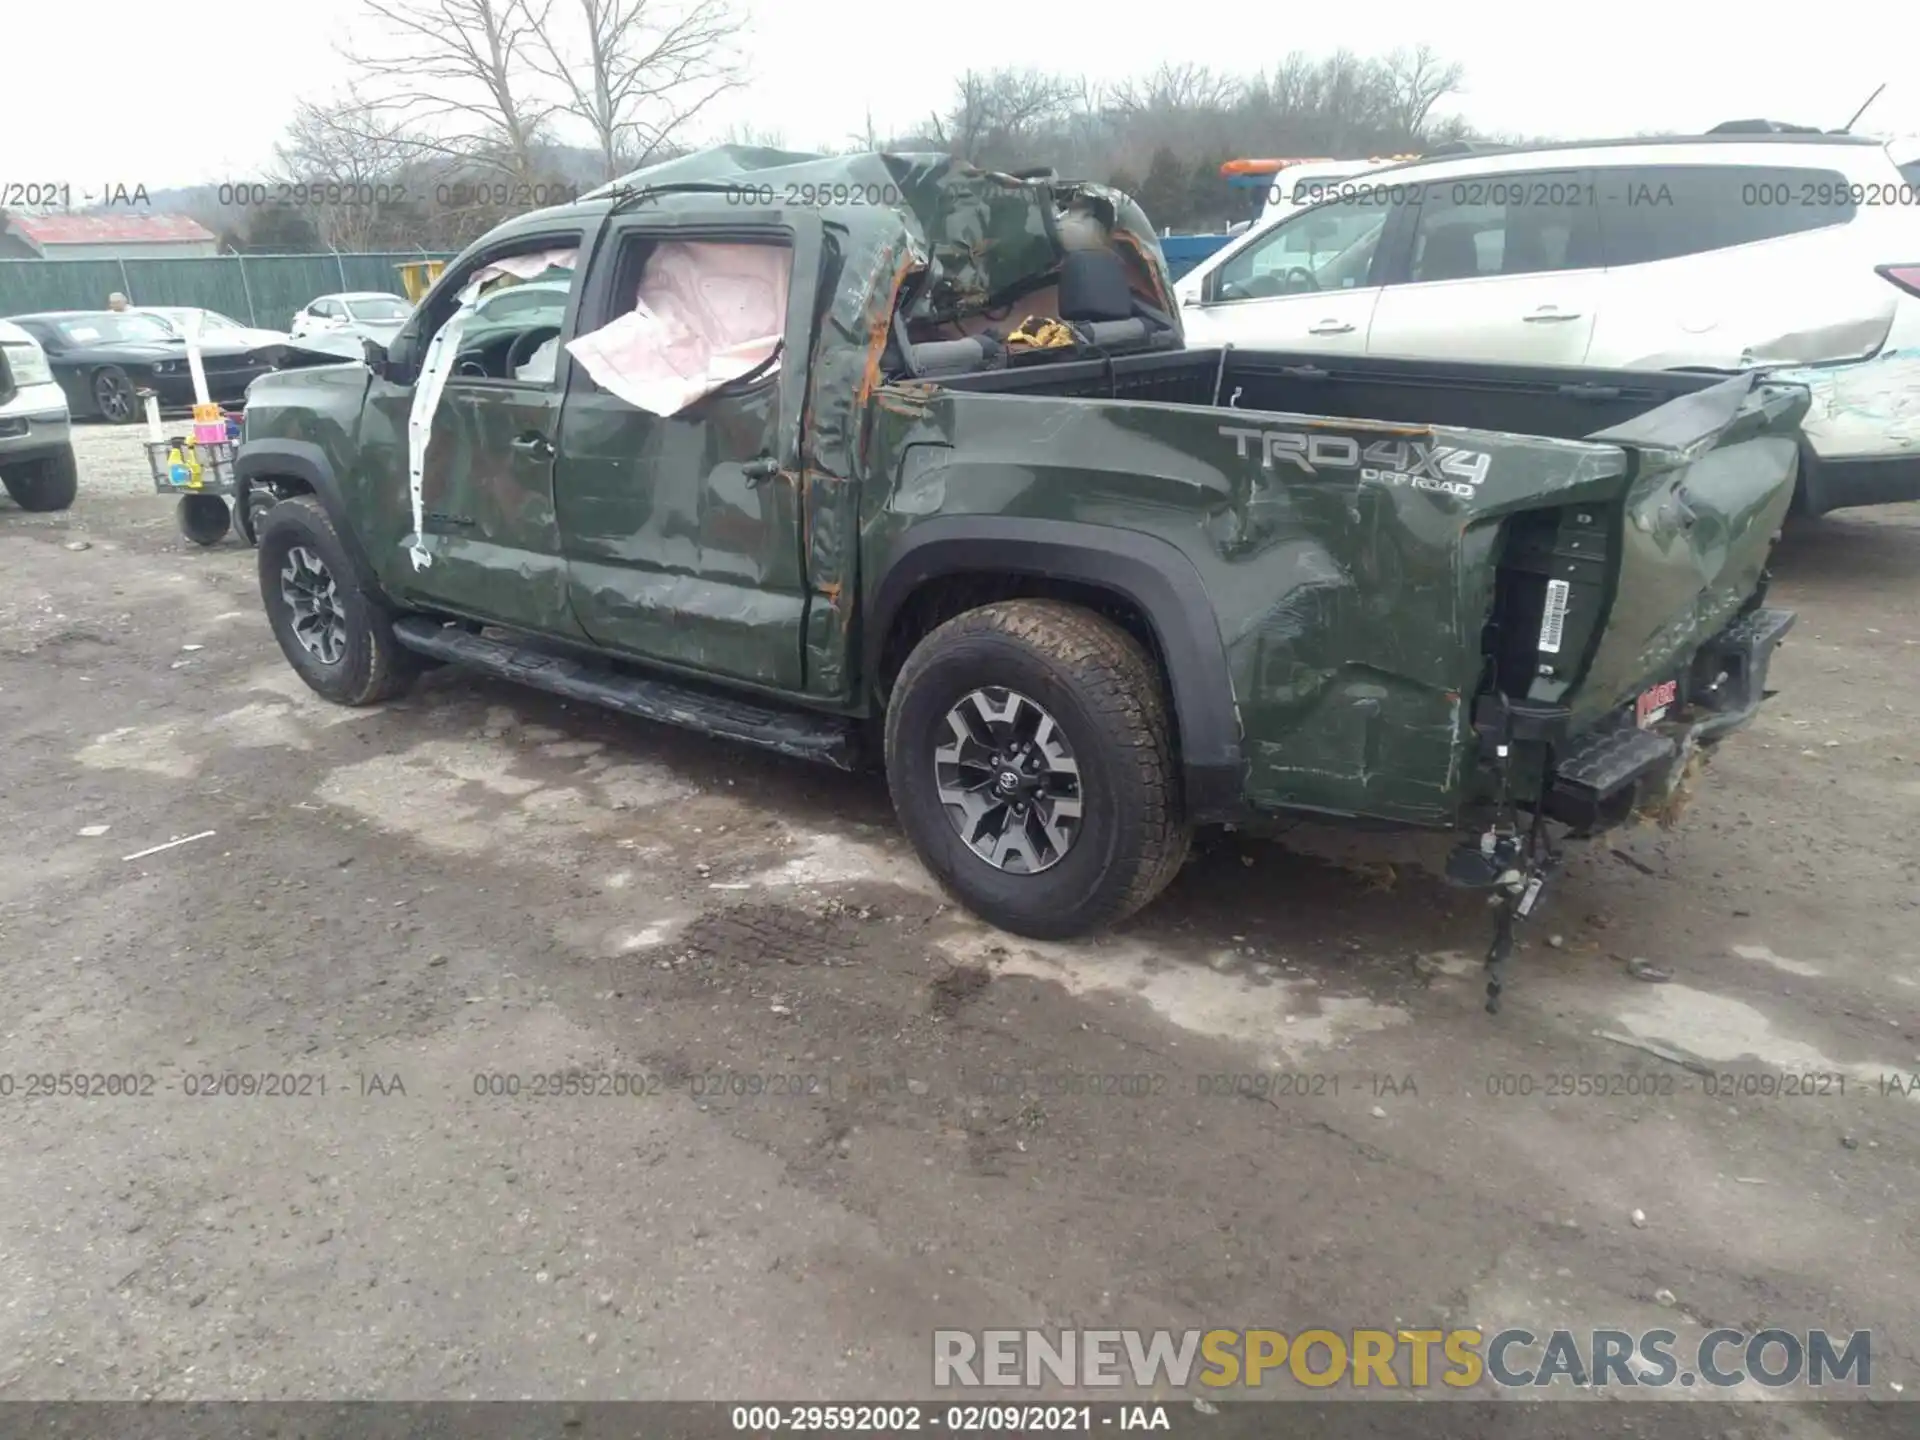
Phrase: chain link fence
x=258 y=290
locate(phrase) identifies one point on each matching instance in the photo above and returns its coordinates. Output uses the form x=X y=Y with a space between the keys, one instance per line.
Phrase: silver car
x=215 y=328
x=353 y=315
x=36 y=445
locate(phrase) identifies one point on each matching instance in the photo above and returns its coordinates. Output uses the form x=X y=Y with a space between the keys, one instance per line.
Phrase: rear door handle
x=535 y=444
x=1330 y=327
x=1547 y=313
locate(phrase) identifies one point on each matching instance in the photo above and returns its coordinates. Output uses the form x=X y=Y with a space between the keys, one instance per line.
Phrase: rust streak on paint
x=900 y=401
x=877 y=331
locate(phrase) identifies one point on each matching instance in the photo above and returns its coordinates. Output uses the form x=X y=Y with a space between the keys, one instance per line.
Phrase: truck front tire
x=50 y=483
x=333 y=632
x=1030 y=759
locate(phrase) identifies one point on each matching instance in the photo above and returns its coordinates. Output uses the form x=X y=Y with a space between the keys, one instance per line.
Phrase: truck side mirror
x=396 y=356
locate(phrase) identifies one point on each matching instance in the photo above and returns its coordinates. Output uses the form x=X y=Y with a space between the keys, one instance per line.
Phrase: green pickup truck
x=1078 y=595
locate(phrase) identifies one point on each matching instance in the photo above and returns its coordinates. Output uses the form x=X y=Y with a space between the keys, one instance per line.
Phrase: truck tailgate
x=1711 y=480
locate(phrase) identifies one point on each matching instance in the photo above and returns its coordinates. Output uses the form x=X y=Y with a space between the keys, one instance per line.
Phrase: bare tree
x=354 y=162
x=457 y=75
x=1177 y=88
x=994 y=114
x=636 y=71
x=1419 y=80
x=868 y=138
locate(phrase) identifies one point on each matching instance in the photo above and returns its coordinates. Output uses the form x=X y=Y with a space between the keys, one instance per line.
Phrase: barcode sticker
x=1551 y=624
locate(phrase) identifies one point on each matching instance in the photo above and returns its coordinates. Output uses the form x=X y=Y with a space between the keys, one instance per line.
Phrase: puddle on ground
x=840 y=860
x=169 y=750
x=1779 y=962
x=448 y=793
x=1720 y=1028
x=263 y=726
x=1280 y=1019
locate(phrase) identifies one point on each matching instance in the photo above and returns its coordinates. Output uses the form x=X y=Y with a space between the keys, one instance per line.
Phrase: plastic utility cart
x=200 y=473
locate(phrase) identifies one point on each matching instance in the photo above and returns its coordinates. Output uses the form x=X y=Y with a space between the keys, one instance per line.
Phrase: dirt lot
x=856 y=1122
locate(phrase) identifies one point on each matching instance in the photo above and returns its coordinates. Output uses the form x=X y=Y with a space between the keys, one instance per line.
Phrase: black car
x=103 y=359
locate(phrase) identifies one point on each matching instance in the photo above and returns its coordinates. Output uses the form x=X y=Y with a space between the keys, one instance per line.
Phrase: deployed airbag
x=706 y=313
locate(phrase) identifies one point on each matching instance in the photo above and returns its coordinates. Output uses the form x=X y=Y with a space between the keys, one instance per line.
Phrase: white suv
x=1716 y=252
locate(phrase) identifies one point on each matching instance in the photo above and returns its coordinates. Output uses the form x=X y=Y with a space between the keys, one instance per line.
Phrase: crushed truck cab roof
x=978 y=240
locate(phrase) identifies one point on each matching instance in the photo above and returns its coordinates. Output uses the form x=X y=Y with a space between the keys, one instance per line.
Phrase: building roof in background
x=130 y=229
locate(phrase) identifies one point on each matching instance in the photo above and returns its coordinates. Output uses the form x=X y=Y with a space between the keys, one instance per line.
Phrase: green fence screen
x=261 y=290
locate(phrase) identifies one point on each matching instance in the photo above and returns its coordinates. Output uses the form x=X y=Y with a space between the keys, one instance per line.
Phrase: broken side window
x=704 y=313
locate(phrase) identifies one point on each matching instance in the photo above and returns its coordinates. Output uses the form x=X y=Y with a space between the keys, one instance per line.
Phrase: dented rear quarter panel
x=1351 y=610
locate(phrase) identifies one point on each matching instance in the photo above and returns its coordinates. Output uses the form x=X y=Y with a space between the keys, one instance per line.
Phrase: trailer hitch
x=1524 y=864
x=1514 y=864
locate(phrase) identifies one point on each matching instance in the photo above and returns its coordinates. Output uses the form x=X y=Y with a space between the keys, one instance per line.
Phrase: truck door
x=1502 y=268
x=682 y=531
x=487 y=489
x=1308 y=283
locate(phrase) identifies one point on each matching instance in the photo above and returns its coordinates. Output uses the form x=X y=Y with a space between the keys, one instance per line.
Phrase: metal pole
x=246 y=289
x=341 y=266
x=126 y=285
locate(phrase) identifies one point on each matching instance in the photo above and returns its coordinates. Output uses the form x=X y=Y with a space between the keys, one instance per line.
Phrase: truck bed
x=1559 y=402
x=1403 y=540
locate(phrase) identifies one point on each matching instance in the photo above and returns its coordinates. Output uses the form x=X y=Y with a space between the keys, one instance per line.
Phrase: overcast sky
x=174 y=92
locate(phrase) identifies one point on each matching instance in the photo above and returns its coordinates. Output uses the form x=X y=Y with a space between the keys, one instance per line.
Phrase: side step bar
x=825 y=739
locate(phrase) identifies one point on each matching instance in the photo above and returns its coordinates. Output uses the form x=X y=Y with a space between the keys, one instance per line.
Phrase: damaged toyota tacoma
x=886 y=457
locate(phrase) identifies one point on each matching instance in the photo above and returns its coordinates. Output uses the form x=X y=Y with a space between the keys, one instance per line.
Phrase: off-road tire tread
x=1116 y=679
x=391 y=667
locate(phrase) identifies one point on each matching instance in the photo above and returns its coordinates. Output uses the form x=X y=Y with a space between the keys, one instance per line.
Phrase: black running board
x=824 y=739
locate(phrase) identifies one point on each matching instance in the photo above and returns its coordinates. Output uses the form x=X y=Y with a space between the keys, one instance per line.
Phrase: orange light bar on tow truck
x=1273 y=167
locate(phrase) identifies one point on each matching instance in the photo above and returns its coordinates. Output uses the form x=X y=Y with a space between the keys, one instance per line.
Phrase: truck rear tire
x=335 y=634
x=50 y=483
x=1031 y=764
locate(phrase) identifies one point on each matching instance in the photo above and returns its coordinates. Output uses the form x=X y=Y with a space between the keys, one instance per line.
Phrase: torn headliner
x=992 y=238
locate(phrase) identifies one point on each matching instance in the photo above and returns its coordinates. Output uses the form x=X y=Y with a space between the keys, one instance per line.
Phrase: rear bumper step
x=1602 y=775
x=1597 y=766
x=824 y=739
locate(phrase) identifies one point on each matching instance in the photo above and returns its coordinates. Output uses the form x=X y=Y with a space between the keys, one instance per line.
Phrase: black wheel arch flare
x=307 y=463
x=1148 y=573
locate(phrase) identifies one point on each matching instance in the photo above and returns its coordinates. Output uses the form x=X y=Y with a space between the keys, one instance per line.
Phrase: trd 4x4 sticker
x=1418 y=463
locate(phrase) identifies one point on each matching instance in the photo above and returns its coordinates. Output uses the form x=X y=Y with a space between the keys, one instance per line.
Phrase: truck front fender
x=1150 y=575
x=307 y=465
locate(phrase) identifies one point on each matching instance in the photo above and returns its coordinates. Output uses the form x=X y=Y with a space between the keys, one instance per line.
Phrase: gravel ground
x=852 y=1127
